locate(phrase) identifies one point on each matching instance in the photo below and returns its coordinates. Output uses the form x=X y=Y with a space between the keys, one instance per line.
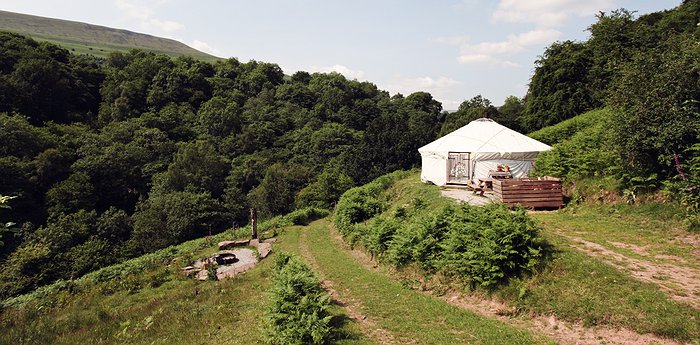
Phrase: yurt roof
x=484 y=135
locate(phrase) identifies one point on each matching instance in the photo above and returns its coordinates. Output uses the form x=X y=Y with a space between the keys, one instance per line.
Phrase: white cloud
x=440 y=88
x=492 y=52
x=203 y=46
x=435 y=87
x=344 y=70
x=166 y=25
x=474 y=58
x=534 y=37
x=547 y=13
x=452 y=40
x=143 y=11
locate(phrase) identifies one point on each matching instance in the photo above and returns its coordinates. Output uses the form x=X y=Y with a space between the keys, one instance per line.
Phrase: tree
x=468 y=111
x=5 y=225
x=171 y=218
x=509 y=113
x=657 y=99
x=198 y=166
x=276 y=192
x=560 y=88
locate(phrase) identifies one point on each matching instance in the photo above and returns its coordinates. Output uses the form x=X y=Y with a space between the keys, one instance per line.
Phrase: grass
x=181 y=311
x=654 y=227
x=579 y=288
x=409 y=316
x=144 y=301
x=82 y=38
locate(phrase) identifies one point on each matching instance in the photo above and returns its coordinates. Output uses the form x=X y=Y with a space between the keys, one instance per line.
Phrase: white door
x=458 y=167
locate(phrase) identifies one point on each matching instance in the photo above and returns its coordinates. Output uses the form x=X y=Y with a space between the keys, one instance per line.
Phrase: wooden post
x=254 y=222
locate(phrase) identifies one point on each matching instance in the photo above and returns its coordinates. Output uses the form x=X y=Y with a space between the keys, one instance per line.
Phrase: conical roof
x=484 y=136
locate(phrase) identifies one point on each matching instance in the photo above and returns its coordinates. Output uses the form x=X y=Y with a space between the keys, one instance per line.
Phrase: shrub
x=488 y=245
x=306 y=215
x=482 y=246
x=299 y=310
x=361 y=203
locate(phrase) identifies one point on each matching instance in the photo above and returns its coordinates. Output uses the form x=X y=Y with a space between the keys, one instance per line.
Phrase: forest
x=102 y=160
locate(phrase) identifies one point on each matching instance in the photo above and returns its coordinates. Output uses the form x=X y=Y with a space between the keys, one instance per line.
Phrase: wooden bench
x=476 y=188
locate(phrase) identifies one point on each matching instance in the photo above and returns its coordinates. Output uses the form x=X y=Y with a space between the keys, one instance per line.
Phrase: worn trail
x=391 y=313
x=562 y=332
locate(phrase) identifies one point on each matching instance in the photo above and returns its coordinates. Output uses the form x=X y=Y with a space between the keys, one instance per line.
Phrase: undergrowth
x=481 y=246
x=135 y=274
x=299 y=312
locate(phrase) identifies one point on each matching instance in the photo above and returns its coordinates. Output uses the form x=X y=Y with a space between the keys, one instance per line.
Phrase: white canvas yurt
x=474 y=150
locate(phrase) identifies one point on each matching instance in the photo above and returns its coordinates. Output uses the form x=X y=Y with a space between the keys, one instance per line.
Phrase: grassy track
x=652 y=231
x=406 y=315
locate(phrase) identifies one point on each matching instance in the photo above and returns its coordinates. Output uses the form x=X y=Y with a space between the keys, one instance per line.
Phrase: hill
x=83 y=38
x=590 y=289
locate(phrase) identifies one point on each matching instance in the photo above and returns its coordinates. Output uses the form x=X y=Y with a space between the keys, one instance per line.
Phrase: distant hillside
x=83 y=38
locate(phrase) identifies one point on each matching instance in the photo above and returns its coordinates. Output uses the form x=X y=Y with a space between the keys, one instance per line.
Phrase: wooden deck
x=530 y=192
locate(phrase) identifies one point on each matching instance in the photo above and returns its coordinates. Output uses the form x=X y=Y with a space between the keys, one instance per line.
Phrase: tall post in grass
x=254 y=222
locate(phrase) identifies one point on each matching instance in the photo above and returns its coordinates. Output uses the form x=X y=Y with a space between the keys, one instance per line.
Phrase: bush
x=361 y=203
x=487 y=245
x=299 y=310
x=306 y=215
x=586 y=154
x=482 y=246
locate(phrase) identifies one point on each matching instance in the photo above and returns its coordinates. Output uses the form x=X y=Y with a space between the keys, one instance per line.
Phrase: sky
x=454 y=49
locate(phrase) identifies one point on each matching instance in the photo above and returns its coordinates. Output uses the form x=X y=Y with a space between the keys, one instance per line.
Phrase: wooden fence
x=530 y=192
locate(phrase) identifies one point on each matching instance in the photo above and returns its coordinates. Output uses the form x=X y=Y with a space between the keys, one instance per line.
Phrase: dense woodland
x=108 y=159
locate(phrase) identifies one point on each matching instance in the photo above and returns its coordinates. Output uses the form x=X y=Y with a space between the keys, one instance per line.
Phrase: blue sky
x=454 y=49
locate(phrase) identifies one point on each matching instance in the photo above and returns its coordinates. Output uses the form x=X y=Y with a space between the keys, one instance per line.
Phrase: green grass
x=181 y=311
x=82 y=38
x=409 y=316
x=144 y=301
x=653 y=226
x=579 y=288
x=564 y=130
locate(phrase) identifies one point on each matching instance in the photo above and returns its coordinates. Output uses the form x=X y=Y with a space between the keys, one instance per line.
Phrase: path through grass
x=405 y=315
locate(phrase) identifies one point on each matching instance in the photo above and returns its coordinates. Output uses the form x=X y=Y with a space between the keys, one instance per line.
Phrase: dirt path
x=351 y=306
x=563 y=332
x=678 y=282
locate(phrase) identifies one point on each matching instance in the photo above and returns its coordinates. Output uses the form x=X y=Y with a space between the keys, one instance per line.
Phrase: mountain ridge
x=98 y=40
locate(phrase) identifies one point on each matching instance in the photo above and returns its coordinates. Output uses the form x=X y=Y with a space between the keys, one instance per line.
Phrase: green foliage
x=167 y=219
x=326 y=190
x=468 y=111
x=304 y=216
x=362 y=203
x=480 y=246
x=560 y=87
x=5 y=226
x=659 y=114
x=587 y=151
x=299 y=312
x=566 y=129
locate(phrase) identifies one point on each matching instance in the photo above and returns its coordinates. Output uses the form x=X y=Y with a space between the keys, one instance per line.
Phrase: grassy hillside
x=83 y=38
x=590 y=284
x=628 y=266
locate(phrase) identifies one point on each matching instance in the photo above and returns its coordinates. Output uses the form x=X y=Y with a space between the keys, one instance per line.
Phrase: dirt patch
x=679 y=283
x=351 y=306
x=468 y=196
x=563 y=332
x=641 y=250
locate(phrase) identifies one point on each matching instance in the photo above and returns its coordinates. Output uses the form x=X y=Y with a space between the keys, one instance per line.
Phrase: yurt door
x=458 y=167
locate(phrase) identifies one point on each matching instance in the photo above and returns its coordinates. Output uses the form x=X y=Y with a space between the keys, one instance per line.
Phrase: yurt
x=474 y=150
